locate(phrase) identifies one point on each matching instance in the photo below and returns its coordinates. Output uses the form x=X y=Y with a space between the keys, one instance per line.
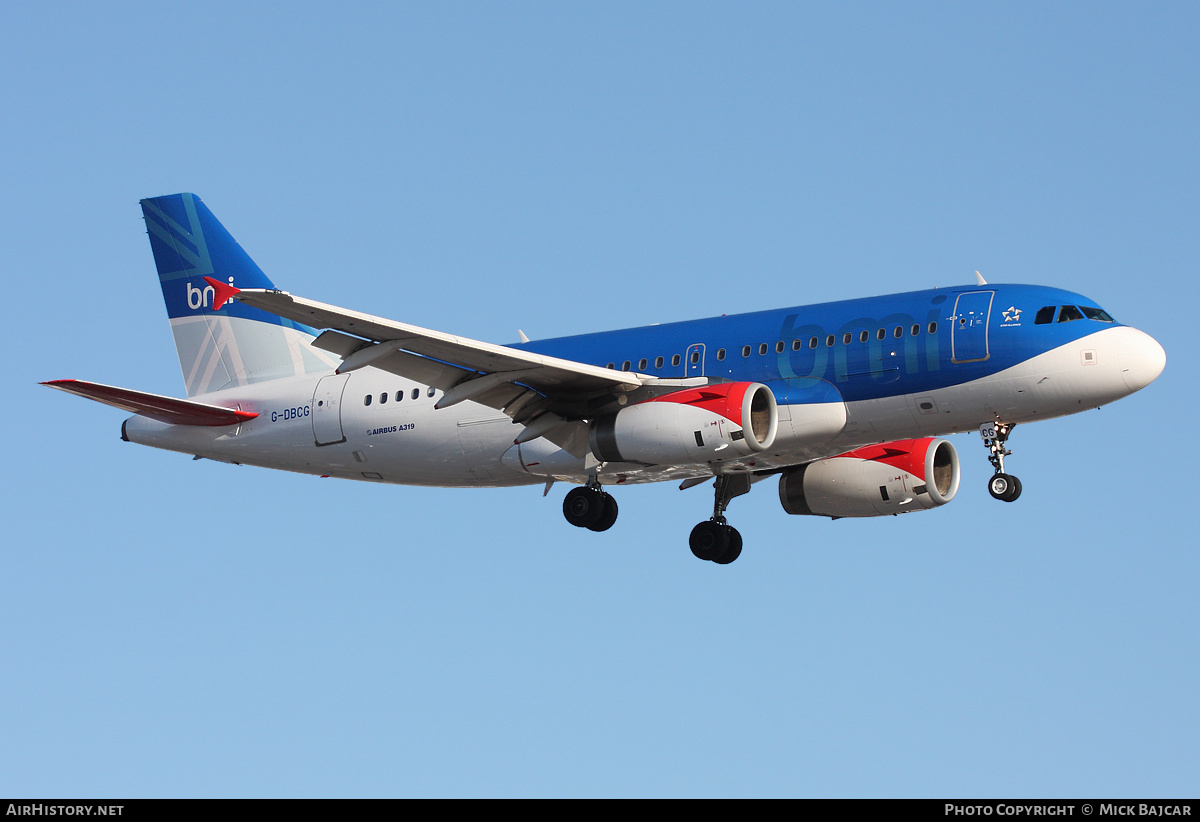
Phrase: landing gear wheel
x=1004 y=487
x=715 y=539
x=608 y=517
x=735 y=547
x=585 y=507
x=710 y=540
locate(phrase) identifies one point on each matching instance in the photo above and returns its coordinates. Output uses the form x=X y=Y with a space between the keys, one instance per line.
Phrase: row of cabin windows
x=1069 y=312
x=797 y=344
x=415 y=393
x=658 y=362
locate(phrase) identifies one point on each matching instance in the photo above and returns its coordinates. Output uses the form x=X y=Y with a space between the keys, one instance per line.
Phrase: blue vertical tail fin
x=235 y=344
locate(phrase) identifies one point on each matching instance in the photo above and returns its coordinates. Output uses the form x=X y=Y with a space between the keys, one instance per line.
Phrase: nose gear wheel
x=1002 y=486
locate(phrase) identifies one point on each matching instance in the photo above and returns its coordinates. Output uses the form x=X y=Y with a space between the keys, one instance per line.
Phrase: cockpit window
x=1069 y=313
x=1045 y=315
x=1096 y=314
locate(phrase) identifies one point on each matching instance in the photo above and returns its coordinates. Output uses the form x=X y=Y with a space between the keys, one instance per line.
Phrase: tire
x=709 y=540
x=1004 y=487
x=608 y=517
x=734 y=550
x=583 y=507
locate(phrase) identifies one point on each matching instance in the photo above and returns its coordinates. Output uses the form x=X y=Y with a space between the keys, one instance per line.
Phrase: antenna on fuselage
x=524 y=339
x=979 y=280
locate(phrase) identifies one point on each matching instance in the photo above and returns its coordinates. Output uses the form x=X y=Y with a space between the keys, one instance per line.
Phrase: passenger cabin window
x=658 y=362
x=625 y=365
x=862 y=336
x=642 y=364
x=399 y=395
x=416 y=393
x=745 y=351
x=779 y=347
x=383 y=398
x=367 y=400
x=1044 y=315
x=1096 y=314
x=675 y=360
x=720 y=353
x=430 y=391
x=1068 y=313
x=695 y=357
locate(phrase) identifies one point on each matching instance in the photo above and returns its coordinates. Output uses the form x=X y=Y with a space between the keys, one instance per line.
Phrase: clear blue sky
x=179 y=628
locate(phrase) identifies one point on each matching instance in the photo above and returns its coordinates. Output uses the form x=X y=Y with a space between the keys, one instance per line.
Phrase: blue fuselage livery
x=846 y=403
x=866 y=348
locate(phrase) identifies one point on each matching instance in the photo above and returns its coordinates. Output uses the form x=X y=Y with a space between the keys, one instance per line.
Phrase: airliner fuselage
x=913 y=365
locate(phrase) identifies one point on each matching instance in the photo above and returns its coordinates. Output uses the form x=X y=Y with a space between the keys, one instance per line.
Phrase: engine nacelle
x=712 y=422
x=891 y=478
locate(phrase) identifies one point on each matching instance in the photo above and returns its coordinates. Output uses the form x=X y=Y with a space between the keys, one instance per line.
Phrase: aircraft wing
x=521 y=383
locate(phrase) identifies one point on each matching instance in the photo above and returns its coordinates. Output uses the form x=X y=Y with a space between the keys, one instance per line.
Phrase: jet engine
x=711 y=422
x=890 y=478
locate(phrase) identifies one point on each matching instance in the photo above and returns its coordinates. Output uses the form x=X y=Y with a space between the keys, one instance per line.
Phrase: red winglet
x=222 y=292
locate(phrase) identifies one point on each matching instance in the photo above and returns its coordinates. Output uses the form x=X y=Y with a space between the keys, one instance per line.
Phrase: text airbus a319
x=845 y=403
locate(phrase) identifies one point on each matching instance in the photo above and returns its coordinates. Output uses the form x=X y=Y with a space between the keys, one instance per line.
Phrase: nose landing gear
x=1001 y=486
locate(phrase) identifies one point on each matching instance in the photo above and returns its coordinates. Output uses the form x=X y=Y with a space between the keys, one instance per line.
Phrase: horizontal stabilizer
x=164 y=409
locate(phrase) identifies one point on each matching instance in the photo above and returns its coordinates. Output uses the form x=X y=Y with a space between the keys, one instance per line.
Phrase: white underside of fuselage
x=409 y=442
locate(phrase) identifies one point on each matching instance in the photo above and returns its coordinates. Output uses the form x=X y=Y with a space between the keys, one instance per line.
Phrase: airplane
x=846 y=403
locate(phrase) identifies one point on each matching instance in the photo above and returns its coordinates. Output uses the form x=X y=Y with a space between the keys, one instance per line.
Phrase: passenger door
x=969 y=335
x=693 y=364
x=327 y=409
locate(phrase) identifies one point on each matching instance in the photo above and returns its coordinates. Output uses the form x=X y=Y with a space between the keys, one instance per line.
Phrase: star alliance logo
x=1012 y=314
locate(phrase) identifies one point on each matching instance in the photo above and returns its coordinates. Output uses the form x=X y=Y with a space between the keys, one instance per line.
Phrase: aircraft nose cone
x=1142 y=358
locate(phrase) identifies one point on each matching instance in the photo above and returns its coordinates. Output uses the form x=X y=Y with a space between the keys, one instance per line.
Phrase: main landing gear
x=1002 y=486
x=590 y=507
x=715 y=539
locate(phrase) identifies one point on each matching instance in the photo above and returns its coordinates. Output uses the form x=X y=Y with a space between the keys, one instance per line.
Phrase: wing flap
x=155 y=406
